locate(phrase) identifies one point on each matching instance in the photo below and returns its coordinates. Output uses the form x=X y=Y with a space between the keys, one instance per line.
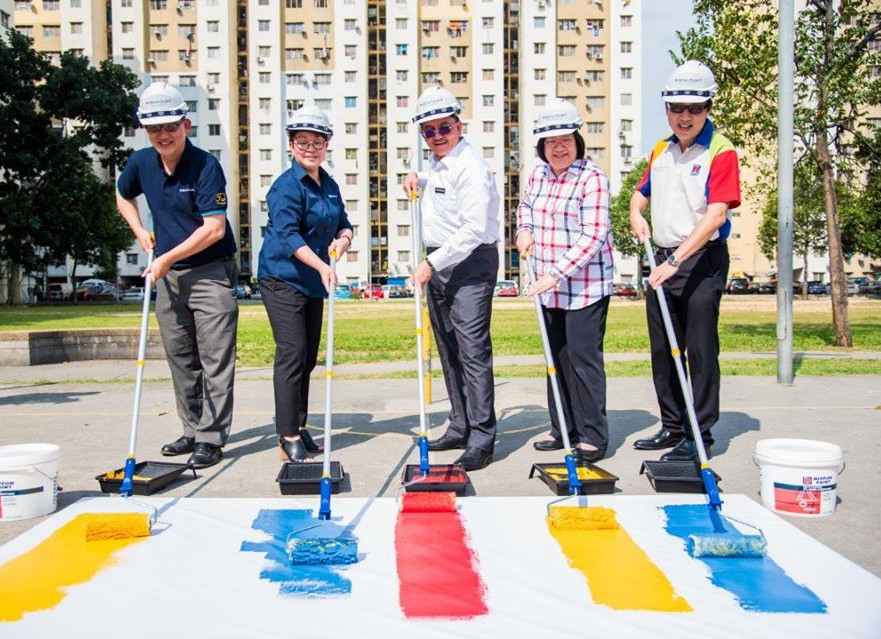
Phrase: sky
x=660 y=21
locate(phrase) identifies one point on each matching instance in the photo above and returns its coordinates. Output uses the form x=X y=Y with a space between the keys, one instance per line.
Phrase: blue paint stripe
x=759 y=584
x=296 y=581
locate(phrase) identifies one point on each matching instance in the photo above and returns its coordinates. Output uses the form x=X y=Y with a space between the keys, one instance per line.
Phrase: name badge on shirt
x=440 y=189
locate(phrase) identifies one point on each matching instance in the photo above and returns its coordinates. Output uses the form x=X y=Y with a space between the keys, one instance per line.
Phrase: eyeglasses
x=552 y=143
x=443 y=129
x=171 y=127
x=694 y=109
x=304 y=145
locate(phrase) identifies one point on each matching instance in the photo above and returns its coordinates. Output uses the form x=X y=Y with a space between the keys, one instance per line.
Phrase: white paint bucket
x=798 y=476
x=28 y=480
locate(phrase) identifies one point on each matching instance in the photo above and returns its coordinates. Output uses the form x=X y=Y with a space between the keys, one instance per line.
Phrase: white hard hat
x=436 y=102
x=557 y=118
x=310 y=118
x=690 y=82
x=161 y=103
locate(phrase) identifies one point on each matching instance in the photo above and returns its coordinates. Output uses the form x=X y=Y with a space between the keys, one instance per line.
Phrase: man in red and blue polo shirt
x=692 y=181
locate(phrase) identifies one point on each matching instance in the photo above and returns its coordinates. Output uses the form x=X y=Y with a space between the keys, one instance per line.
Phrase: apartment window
x=626 y=151
x=265 y=103
x=351 y=127
x=125 y=3
x=565 y=76
x=264 y=77
x=463 y=102
x=594 y=76
x=76 y=27
x=192 y=105
x=404 y=256
x=403 y=127
x=489 y=126
x=324 y=104
x=429 y=26
x=627 y=125
x=294 y=54
x=352 y=205
x=566 y=50
x=160 y=56
x=294 y=78
x=595 y=27
x=321 y=27
x=187 y=81
x=488 y=23
x=350 y=50
x=351 y=256
x=489 y=74
x=263 y=25
x=159 y=30
x=51 y=31
x=185 y=54
x=128 y=54
x=401 y=75
x=213 y=129
x=430 y=52
x=595 y=101
x=22 y=5
x=294 y=27
x=186 y=30
x=626 y=21
x=458 y=77
x=350 y=24
x=538 y=22
x=488 y=48
x=215 y=153
x=626 y=47
x=263 y=3
x=400 y=176
x=538 y=47
x=566 y=25
x=265 y=154
x=213 y=78
x=401 y=23
x=51 y=5
x=76 y=4
x=265 y=128
x=595 y=52
x=351 y=178
x=265 y=180
x=596 y=153
x=404 y=229
x=626 y=99
x=596 y=127
x=351 y=76
x=351 y=101
x=539 y=99
x=158 y=5
x=319 y=4
x=213 y=104
x=401 y=49
x=402 y=101
x=489 y=152
x=458 y=52
x=489 y=100
x=213 y=52
x=127 y=27
x=351 y=154
x=540 y=74
x=432 y=77
x=264 y=52
x=293 y=4
x=626 y=73
x=292 y=105
x=322 y=79
x=213 y=26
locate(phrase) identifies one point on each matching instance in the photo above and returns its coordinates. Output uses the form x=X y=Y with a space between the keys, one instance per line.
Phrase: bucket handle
x=839 y=471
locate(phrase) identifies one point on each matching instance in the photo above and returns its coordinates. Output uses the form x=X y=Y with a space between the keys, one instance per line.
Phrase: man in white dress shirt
x=460 y=229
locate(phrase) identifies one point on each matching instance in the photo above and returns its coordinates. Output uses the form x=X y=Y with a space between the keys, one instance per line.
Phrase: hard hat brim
x=686 y=98
x=163 y=118
x=549 y=132
x=315 y=128
x=436 y=114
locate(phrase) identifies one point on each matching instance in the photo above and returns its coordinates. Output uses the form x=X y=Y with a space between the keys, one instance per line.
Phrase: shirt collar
x=448 y=159
x=188 y=150
x=574 y=170
x=703 y=138
x=300 y=172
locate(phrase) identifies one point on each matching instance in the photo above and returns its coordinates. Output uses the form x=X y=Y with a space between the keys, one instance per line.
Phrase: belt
x=229 y=257
x=669 y=251
x=482 y=246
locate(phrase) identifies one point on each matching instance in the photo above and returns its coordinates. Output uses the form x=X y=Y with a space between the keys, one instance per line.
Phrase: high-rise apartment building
x=242 y=66
x=7 y=8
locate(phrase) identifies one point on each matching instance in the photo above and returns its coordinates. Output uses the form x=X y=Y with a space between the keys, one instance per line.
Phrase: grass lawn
x=383 y=331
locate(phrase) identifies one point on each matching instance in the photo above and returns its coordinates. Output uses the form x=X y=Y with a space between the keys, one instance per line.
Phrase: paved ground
x=375 y=419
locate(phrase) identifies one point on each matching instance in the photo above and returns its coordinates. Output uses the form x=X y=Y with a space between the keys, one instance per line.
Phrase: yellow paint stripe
x=38 y=579
x=618 y=572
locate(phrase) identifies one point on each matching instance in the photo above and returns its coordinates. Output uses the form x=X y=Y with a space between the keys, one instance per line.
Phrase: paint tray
x=440 y=478
x=594 y=480
x=150 y=477
x=675 y=476
x=304 y=478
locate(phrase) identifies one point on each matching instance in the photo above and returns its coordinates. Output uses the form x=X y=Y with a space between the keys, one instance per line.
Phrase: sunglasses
x=171 y=127
x=443 y=129
x=694 y=109
x=315 y=145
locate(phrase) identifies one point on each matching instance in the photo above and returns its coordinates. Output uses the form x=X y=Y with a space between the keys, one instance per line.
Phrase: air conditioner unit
x=151 y=61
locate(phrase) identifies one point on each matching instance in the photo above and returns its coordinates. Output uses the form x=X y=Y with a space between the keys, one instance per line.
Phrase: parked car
x=738 y=286
x=394 y=291
x=763 y=288
x=817 y=288
x=108 y=293
x=857 y=285
x=625 y=289
x=372 y=292
x=342 y=292
x=57 y=292
x=89 y=290
x=874 y=288
x=134 y=294
x=506 y=288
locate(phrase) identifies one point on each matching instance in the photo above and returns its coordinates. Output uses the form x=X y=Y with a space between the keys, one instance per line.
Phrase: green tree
x=833 y=88
x=56 y=123
x=619 y=213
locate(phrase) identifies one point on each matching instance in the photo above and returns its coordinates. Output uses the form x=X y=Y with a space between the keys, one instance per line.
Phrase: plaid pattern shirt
x=569 y=220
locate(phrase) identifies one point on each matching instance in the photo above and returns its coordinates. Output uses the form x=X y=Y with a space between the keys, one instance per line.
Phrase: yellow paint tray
x=594 y=480
x=150 y=477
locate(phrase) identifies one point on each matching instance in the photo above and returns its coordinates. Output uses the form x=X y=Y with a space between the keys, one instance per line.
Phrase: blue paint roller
x=722 y=542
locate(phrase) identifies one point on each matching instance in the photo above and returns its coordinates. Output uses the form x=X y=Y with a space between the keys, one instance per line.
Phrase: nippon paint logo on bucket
x=6 y=485
x=811 y=498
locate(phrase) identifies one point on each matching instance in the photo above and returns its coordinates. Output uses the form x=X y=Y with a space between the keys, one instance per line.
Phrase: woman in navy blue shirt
x=307 y=221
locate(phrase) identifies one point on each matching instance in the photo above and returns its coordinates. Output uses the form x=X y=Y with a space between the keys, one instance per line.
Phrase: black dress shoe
x=180 y=446
x=475 y=459
x=685 y=451
x=548 y=444
x=664 y=438
x=205 y=455
x=584 y=455
x=293 y=450
x=447 y=442
x=312 y=447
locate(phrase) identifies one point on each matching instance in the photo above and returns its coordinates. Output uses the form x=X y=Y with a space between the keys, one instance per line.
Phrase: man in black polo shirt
x=194 y=269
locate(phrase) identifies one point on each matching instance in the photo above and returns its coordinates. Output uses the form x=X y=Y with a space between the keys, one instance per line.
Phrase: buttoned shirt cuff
x=295 y=244
x=422 y=178
x=523 y=228
x=441 y=258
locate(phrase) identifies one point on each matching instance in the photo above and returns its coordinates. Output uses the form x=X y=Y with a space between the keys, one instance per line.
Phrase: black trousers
x=576 y=339
x=693 y=296
x=296 y=327
x=460 y=306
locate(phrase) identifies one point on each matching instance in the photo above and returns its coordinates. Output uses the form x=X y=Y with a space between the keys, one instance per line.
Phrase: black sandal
x=293 y=451
x=310 y=444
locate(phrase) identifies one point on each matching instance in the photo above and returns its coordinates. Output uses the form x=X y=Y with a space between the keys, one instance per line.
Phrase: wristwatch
x=430 y=265
x=672 y=260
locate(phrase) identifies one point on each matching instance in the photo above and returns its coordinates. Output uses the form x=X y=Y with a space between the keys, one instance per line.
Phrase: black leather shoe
x=475 y=459
x=180 y=446
x=583 y=455
x=685 y=451
x=205 y=455
x=548 y=444
x=293 y=450
x=447 y=442
x=664 y=438
x=312 y=447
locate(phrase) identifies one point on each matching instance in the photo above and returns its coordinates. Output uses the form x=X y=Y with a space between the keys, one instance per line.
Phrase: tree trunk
x=804 y=275
x=13 y=285
x=836 y=255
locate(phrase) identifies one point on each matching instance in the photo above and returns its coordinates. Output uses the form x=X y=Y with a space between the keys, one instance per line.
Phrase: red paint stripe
x=436 y=568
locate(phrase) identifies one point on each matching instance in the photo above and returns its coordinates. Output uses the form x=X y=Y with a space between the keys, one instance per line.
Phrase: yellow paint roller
x=581 y=518
x=118 y=526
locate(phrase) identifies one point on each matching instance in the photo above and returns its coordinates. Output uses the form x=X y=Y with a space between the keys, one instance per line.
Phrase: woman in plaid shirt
x=563 y=224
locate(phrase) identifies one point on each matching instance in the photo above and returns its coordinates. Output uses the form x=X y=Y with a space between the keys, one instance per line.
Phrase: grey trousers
x=460 y=306
x=198 y=316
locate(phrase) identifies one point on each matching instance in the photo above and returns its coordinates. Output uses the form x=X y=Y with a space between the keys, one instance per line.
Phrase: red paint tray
x=304 y=478
x=595 y=482
x=150 y=477
x=675 y=476
x=441 y=477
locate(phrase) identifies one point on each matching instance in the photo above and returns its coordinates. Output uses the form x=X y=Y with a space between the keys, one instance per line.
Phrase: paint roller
x=127 y=525
x=428 y=502
x=722 y=542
